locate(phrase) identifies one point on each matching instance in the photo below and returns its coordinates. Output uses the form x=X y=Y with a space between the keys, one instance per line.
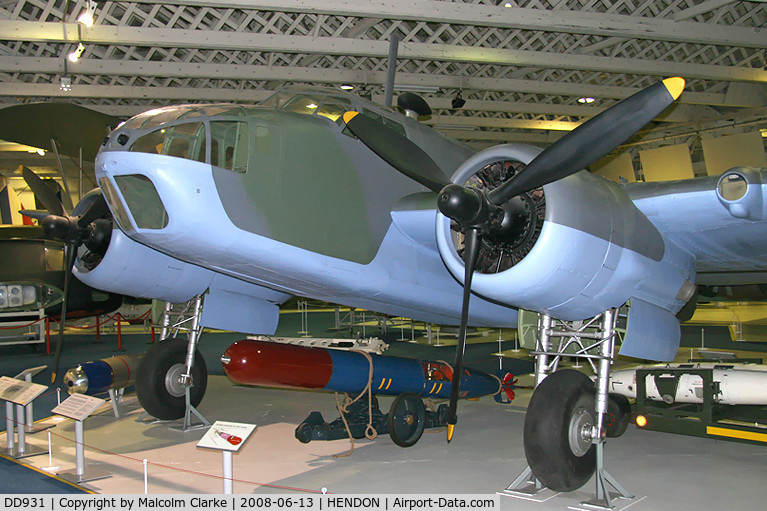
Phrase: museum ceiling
x=527 y=70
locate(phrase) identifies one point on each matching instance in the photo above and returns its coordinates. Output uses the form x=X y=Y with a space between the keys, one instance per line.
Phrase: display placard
x=78 y=406
x=19 y=391
x=226 y=436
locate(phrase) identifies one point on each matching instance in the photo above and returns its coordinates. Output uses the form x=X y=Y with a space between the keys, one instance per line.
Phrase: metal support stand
x=303 y=309
x=604 y=497
x=115 y=397
x=525 y=483
x=27 y=375
x=227 y=470
x=10 y=447
x=594 y=341
x=78 y=474
x=183 y=318
x=190 y=409
x=22 y=449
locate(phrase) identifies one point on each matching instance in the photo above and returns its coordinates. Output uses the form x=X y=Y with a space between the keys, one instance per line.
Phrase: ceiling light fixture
x=346 y=86
x=66 y=83
x=86 y=18
x=416 y=88
x=77 y=53
x=586 y=100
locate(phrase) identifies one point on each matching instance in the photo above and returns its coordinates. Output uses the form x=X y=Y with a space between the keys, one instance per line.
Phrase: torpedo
x=99 y=376
x=254 y=362
x=269 y=364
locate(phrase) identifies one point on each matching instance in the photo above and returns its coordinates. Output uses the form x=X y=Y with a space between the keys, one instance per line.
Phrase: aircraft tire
x=406 y=419
x=618 y=415
x=559 y=456
x=157 y=391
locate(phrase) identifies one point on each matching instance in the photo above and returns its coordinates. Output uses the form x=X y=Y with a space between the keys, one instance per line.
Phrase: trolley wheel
x=557 y=444
x=618 y=415
x=157 y=386
x=406 y=419
x=304 y=433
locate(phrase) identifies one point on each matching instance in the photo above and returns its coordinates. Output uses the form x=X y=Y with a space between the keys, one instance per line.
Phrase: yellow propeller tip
x=53 y=378
x=450 y=430
x=675 y=86
x=348 y=116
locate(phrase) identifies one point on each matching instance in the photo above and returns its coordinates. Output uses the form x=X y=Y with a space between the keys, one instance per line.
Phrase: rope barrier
x=22 y=326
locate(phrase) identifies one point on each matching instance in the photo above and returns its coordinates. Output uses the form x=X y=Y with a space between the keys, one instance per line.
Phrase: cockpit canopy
x=221 y=134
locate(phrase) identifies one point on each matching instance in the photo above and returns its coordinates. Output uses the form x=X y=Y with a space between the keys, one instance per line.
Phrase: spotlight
x=75 y=55
x=458 y=101
x=66 y=83
x=346 y=86
x=86 y=18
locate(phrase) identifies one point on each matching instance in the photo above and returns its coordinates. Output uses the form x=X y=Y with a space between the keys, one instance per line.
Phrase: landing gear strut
x=567 y=419
x=172 y=376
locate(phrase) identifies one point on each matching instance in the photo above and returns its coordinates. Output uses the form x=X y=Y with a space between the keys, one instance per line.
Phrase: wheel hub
x=580 y=431
x=174 y=381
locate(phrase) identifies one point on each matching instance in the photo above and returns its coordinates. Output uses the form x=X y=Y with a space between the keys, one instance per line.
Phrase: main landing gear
x=172 y=377
x=569 y=417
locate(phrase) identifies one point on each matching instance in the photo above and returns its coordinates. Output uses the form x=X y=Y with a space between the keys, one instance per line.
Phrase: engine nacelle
x=163 y=277
x=593 y=249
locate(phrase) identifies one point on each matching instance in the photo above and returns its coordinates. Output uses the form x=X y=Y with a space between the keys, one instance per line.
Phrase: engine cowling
x=582 y=249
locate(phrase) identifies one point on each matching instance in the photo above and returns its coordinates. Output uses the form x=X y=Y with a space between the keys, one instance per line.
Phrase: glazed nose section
x=144 y=205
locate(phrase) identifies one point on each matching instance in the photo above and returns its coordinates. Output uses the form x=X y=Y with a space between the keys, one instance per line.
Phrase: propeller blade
x=43 y=192
x=71 y=252
x=34 y=213
x=592 y=139
x=471 y=251
x=397 y=150
x=97 y=209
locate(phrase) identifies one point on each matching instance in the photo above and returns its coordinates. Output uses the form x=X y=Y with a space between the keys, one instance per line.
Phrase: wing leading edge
x=720 y=220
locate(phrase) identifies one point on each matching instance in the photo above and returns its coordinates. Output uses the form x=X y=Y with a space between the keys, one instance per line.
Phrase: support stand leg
x=604 y=497
x=78 y=475
x=22 y=449
x=190 y=409
x=526 y=483
x=10 y=429
x=227 y=471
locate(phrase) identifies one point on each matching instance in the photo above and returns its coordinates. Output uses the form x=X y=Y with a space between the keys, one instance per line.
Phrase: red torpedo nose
x=271 y=364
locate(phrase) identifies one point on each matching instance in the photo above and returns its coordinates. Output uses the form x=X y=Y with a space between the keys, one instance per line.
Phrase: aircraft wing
x=73 y=127
x=720 y=220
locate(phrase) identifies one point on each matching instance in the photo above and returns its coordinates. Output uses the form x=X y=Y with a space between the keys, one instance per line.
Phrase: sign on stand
x=21 y=393
x=227 y=437
x=79 y=407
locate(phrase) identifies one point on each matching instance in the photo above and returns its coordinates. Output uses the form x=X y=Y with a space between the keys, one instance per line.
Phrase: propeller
x=88 y=228
x=480 y=214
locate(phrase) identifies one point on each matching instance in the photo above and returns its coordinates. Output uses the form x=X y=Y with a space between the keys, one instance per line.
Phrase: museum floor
x=663 y=471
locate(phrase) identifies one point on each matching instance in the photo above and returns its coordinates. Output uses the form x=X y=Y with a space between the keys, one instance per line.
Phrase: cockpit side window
x=334 y=108
x=301 y=104
x=229 y=145
x=182 y=140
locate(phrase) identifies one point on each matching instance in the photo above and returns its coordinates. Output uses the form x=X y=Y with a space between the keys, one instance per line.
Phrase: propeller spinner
x=480 y=213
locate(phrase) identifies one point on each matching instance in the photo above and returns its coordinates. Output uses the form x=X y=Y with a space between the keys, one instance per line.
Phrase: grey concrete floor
x=663 y=471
